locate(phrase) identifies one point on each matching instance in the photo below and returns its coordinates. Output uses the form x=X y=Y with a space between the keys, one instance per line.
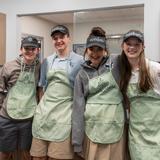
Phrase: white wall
x=38 y=27
x=24 y=7
x=46 y=6
x=82 y=30
x=152 y=29
x=16 y=7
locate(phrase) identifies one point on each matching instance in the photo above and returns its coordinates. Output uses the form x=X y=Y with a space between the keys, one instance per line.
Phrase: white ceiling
x=95 y=15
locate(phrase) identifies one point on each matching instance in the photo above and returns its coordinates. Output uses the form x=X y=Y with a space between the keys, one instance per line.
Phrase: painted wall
x=119 y=27
x=23 y=7
x=32 y=6
x=152 y=29
x=82 y=30
x=38 y=27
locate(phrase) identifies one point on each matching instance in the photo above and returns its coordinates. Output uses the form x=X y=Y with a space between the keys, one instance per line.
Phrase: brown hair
x=97 y=31
x=145 y=82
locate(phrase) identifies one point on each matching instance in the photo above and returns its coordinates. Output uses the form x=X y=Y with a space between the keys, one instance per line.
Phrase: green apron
x=21 y=100
x=144 y=125
x=104 y=114
x=52 y=120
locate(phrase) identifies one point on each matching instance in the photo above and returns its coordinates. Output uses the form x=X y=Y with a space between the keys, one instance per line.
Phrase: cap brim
x=58 y=31
x=30 y=45
x=125 y=38
x=96 y=44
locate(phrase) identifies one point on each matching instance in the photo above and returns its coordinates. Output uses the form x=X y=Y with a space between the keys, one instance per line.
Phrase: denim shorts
x=15 y=135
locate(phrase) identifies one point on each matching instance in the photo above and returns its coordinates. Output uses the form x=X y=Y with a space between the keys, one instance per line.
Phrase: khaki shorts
x=57 y=150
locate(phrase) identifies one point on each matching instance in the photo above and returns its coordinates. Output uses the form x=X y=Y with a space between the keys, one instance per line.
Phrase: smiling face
x=95 y=55
x=132 y=48
x=29 y=54
x=61 y=42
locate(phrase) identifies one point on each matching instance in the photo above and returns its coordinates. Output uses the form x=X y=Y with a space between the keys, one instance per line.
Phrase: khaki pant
x=95 y=151
x=56 y=150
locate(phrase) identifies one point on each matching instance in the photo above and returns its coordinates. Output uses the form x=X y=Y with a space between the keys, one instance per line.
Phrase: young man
x=18 y=81
x=52 y=120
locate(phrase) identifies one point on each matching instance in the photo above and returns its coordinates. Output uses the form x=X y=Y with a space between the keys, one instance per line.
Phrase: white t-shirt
x=154 y=68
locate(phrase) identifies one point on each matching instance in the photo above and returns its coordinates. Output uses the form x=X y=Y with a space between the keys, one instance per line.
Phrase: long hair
x=144 y=83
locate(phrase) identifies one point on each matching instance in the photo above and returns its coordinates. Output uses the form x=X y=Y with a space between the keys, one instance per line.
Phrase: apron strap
x=24 y=66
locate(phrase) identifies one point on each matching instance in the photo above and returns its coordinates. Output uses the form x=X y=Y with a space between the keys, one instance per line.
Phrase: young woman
x=98 y=115
x=140 y=84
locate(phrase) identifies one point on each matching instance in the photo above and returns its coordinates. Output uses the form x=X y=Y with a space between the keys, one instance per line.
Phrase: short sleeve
x=155 y=74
